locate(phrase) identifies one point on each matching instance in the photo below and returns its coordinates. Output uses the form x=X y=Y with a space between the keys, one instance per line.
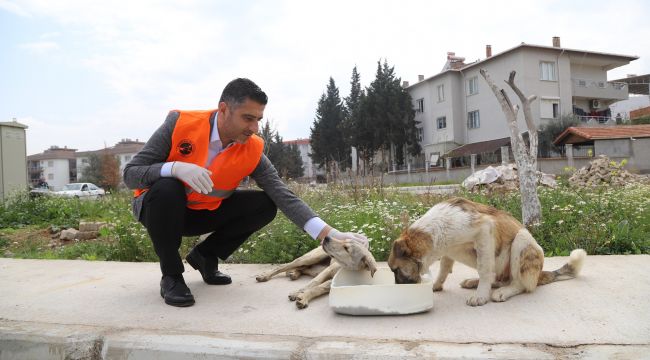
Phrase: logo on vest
x=185 y=147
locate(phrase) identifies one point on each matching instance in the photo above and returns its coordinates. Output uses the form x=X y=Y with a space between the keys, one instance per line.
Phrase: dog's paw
x=301 y=304
x=294 y=275
x=475 y=300
x=294 y=296
x=469 y=284
x=261 y=278
x=498 y=296
x=437 y=287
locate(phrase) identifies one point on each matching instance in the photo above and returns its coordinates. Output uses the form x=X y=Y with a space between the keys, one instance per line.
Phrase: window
x=50 y=163
x=127 y=158
x=441 y=122
x=547 y=71
x=441 y=93
x=420 y=134
x=472 y=86
x=433 y=159
x=419 y=105
x=549 y=108
x=473 y=120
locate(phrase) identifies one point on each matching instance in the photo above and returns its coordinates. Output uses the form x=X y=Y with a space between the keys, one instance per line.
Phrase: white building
x=124 y=150
x=60 y=166
x=310 y=169
x=56 y=166
x=457 y=108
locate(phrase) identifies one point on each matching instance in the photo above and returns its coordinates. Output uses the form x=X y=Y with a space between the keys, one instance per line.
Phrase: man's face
x=240 y=122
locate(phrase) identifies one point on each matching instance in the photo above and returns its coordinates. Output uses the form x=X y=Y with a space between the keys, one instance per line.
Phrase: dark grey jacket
x=144 y=170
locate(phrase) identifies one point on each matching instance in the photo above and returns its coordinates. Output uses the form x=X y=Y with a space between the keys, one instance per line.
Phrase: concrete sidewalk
x=105 y=310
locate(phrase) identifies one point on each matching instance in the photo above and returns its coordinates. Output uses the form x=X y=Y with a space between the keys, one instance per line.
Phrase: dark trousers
x=167 y=219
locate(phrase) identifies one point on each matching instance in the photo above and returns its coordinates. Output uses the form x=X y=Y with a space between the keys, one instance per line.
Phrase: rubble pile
x=602 y=171
x=88 y=230
x=503 y=178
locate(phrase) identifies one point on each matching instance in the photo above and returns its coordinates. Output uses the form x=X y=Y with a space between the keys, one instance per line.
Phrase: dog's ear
x=401 y=249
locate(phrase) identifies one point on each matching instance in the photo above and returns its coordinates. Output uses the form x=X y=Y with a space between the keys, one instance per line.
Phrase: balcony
x=596 y=89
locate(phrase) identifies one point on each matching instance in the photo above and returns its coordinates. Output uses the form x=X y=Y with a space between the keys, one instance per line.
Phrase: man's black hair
x=240 y=89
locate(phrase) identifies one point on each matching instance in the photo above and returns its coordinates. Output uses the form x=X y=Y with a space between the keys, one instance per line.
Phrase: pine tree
x=267 y=135
x=294 y=162
x=328 y=144
x=352 y=123
x=285 y=159
x=391 y=110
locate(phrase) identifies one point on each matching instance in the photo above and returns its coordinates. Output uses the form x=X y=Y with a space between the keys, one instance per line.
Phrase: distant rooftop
x=457 y=63
x=637 y=84
x=297 y=142
x=575 y=135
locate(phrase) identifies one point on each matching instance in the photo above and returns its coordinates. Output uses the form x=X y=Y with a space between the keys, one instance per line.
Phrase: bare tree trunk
x=526 y=157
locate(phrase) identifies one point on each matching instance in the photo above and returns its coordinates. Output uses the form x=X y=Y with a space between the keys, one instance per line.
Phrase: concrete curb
x=60 y=309
x=31 y=340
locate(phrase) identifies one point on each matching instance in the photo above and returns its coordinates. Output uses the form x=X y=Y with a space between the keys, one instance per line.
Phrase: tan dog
x=322 y=263
x=491 y=241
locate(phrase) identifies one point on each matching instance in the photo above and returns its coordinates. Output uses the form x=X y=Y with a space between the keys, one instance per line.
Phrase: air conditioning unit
x=595 y=104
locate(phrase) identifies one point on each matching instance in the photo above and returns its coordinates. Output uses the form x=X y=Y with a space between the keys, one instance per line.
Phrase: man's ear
x=222 y=107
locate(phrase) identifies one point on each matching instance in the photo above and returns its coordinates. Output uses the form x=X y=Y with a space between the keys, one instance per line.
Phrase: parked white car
x=81 y=191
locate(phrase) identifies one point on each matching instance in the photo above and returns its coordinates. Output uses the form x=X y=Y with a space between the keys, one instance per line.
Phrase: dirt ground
x=13 y=241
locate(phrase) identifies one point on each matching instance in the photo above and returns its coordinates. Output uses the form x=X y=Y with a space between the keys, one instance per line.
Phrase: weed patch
x=604 y=220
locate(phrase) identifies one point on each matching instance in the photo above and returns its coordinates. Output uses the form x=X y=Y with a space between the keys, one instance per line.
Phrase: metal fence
x=492 y=158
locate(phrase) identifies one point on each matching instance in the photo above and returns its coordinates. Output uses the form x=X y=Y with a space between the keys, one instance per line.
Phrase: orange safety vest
x=190 y=141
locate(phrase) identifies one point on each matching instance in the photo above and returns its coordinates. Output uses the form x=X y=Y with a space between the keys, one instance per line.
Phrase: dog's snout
x=401 y=279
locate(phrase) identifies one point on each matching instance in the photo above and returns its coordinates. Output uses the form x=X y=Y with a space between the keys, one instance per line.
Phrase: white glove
x=358 y=238
x=197 y=177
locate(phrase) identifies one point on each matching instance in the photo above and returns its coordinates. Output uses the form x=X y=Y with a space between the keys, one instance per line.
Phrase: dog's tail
x=569 y=271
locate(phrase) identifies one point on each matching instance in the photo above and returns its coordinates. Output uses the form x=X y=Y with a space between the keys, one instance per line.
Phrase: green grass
x=602 y=221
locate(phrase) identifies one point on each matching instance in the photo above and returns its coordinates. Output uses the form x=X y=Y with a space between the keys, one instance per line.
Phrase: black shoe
x=208 y=268
x=175 y=292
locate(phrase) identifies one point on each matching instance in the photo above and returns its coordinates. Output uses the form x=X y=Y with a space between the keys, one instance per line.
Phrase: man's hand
x=198 y=178
x=358 y=238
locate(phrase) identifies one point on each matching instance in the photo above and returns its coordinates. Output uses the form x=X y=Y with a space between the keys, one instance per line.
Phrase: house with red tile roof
x=631 y=142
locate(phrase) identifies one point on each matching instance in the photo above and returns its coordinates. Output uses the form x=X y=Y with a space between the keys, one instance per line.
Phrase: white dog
x=499 y=247
x=322 y=263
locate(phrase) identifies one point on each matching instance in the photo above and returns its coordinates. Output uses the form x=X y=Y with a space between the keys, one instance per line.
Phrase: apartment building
x=457 y=108
x=310 y=169
x=56 y=166
x=123 y=150
x=60 y=166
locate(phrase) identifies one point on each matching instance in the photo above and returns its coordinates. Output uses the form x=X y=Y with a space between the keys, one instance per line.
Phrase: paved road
x=431 y=189
x=56 y=309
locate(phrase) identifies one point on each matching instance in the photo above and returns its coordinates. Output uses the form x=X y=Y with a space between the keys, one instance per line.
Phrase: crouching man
x=185 y=180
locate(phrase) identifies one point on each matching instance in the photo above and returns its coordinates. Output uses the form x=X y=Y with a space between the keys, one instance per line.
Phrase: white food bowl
x=356 y=293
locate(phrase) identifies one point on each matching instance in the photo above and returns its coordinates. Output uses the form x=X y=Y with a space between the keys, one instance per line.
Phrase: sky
x=86 y=74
